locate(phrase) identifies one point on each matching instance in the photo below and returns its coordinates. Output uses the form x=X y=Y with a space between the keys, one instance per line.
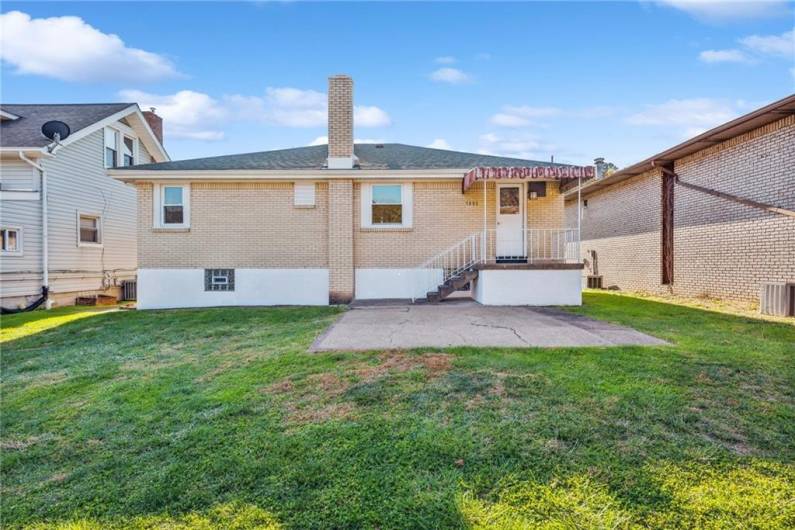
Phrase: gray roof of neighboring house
x=371 y=156
x=26 y=131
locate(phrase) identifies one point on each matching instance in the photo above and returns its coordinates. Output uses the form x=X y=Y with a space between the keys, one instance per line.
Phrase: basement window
x=12 y=241
x=386 y=205
x=219 y=279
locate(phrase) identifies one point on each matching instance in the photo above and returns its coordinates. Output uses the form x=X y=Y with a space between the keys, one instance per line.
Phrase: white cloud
x=783 y=45
x=520 y=116
x=518 y=146
x=364 y=116
x=186 y=114
x=755 y=47
x=439 y=143
x=454 y=76
x=723 y=56
x=69 y=49
x=727 y=10
x=688 y=116
x=293 y=107
x=195 y=115
x=445 y=59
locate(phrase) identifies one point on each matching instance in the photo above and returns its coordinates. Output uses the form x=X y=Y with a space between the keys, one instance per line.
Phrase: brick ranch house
x=329 y=224
x=713 y=216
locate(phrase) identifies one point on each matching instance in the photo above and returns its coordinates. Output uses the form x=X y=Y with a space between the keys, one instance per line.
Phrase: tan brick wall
x=241 y=225
x=442 y=216
x=340 y=116
x=255 y=225
x=340 y=240
x=721 y=248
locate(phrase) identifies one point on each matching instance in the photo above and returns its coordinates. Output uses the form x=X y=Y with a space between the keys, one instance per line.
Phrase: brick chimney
x=155 y=123
x=340 y=122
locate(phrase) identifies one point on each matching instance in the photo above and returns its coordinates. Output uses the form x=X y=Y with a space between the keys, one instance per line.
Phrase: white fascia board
x=8 y=115
x=132 y=175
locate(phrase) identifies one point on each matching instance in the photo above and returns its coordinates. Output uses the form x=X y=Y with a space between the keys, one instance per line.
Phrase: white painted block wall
x=529 y=287
x=173 y=288
x=375 y=284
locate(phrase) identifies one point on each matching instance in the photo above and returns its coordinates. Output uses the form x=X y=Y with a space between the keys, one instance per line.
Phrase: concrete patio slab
x=467 y=323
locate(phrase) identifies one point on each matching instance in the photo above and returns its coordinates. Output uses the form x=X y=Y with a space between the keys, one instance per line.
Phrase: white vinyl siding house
x=92 y=241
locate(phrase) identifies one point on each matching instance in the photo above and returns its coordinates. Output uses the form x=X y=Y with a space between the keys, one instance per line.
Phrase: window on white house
x=111 y=147
x=128 y=151
x=11 y=241
x=89 y=229
x=304 y=194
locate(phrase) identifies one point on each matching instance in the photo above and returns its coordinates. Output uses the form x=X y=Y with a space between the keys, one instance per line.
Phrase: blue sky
x=574 y=80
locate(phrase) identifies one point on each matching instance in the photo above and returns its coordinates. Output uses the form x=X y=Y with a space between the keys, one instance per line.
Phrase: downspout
x=44 y=231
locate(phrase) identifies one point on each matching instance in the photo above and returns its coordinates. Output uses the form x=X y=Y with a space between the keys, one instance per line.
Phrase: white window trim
x=406 y=199
x=104 y=146
x=134 y=148
x=157 y=203
x=121 y=131
x=100 y=227
x=20 y=241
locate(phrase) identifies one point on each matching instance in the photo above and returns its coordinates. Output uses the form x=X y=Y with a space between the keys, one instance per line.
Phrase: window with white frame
x=172 y=206
x=386 y=205
x=12 y=241
x=304 y=194
x=111 y=147
x=127 y=151
x=89 y=229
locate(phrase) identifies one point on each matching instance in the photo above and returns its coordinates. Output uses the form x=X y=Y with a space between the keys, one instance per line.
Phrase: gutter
x=45 y=288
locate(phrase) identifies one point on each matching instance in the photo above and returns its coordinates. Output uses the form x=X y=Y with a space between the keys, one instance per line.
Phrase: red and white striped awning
x=526 y=173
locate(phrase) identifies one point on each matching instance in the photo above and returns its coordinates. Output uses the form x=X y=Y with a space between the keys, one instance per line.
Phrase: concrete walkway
x=466 y=323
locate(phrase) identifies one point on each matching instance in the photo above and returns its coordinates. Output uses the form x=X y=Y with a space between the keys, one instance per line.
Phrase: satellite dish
x=55 y=130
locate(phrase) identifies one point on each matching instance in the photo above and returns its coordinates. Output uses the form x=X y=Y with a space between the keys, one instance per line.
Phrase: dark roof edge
x=731 y=129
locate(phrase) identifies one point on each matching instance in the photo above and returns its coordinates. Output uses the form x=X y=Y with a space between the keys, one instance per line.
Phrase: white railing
x=533 y=245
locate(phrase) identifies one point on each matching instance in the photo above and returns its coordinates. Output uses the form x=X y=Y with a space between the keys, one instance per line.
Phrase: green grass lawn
x=219 y=418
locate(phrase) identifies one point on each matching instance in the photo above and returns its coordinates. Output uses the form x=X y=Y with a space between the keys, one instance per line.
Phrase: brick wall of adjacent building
x=721 y=248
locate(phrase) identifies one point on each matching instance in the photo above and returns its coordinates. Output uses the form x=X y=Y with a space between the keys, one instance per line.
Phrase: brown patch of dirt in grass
x=279 y=387
x=328 y=383
x=435 y=364
x=24 y=443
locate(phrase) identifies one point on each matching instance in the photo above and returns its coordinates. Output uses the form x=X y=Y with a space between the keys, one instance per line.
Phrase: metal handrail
x=536 y=245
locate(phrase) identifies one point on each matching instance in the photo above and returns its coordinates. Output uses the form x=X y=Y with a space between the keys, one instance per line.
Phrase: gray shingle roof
x=26 y=131
x=371 y=156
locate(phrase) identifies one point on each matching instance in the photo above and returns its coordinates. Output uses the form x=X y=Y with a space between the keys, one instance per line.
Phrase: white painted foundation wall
x=173 y=288
x=374 y=284
x=529 y=287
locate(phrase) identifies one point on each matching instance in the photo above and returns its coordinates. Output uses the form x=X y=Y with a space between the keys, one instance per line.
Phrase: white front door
x=510 y=221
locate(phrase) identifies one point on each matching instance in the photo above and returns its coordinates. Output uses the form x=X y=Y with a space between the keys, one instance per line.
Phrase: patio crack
x=495 y=326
